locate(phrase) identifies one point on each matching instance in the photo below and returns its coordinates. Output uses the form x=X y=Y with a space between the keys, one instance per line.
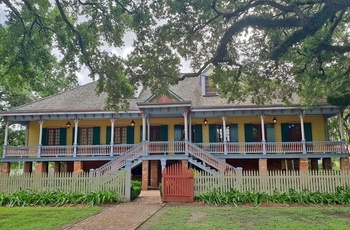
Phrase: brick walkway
x=123 y=216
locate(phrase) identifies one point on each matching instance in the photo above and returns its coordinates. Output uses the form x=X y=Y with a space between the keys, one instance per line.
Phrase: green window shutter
x=285 y=132
x=44 y=136
x=308 y=131
x=108 y=134
x=270 y=130
x=234 y=133
x=248 y=132
x=212 y=133
x=96 y=136
x=130 y=134
x=178 y=132
x=63 y=136
x=198 y=134
x=164 y=133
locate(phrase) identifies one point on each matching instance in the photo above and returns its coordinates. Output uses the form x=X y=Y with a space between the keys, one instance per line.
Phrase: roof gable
x=166 y=97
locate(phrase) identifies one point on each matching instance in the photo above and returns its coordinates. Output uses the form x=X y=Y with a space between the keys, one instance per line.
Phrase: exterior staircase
x=207 y=161
x=119 y=163
x=197 y=156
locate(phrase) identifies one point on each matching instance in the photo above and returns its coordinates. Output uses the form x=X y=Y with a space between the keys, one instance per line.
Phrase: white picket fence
x=282 y=181
x=66 y=182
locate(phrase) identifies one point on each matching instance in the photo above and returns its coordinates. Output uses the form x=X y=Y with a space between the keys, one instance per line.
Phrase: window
x=86 y=136
x=208 y=89
x=216 y=133
x=220 y=133
x=53 y=137
x=120 y=135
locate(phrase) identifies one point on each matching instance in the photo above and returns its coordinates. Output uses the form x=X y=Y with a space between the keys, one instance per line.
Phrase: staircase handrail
x=120 y=161
x=208 y=158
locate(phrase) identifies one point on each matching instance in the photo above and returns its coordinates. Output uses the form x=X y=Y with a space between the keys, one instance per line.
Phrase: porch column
x=263 y=139
x=314 y=164
x=75 y=144
x=163 y=163
x=190 y=129
x=57 y=167
x=303 y=165
x=301 y=115
x=145 y=172
x=112 y=135
x=184 y=164
x=344 y=164
x=27 y=167
x=263 y=166
x=326 y=163
x=41 y=167
x=148 y=128
x=154 y=173
x=41 y=122
x=224 y=132
x=78 y=167
x=143 y=126
x=340 y=116
x=6 y=136
x=5 y=167
x=185 y=114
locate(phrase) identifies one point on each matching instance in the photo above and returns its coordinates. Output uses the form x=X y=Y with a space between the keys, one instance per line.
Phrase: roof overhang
x=169 y=109
x=328 y=111
x=18 y=117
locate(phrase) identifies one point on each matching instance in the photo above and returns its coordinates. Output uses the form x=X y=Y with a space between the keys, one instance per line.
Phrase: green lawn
x=42 y=217
x=229 y=217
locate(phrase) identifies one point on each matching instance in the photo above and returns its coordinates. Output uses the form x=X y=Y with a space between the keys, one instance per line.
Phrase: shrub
x=57 y=198
x=135 y=189
x=341 y=196
x=160 y=189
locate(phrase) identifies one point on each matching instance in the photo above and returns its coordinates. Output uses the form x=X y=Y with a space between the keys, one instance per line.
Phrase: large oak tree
x=269 y=49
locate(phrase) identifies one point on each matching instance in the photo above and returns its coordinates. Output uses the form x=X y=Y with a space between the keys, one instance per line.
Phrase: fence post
x=239 y=179
x=128 y=180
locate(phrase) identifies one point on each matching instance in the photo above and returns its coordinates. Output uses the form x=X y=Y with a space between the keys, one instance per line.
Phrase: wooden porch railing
x=163 y=147
x=21 y=151
x=56 y=151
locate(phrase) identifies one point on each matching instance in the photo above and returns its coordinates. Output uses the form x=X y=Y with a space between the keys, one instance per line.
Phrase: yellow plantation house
x=189 y=124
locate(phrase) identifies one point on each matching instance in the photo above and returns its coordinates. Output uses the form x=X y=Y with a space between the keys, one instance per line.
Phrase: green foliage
x=260 y=50
x=135 y=189
x=57 y=39
x=160 y=190
x=234 y=197
x=57 y=198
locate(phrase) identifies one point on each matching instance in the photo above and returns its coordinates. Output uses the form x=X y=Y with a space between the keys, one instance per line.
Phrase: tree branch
x=78 y=35
x=259 y=22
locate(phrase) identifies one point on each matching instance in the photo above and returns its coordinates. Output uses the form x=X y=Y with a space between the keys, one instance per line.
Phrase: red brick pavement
x=123 y=216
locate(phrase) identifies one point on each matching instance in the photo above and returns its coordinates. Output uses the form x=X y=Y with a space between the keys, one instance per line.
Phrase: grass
x=43 y=217
x=229 y=217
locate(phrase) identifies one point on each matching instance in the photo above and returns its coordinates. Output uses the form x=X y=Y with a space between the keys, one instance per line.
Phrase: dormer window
x=207 y=90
